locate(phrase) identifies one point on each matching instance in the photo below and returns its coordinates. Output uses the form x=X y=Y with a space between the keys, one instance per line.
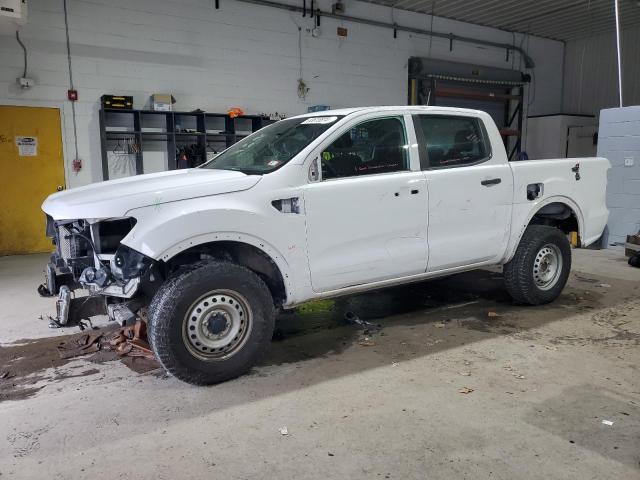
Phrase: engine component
x=62 y=308
x=121 y=313
x=95 y=276
x=128 y=264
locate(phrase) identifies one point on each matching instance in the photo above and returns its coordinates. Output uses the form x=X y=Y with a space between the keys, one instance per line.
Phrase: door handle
x=59 y=188
x=413 y=192
x=493 y=181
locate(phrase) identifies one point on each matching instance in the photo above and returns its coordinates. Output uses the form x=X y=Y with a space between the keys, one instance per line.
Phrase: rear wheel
x=211 y=322
x=540 y=267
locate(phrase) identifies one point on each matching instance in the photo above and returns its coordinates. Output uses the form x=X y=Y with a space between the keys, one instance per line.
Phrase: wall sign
x=27 y=146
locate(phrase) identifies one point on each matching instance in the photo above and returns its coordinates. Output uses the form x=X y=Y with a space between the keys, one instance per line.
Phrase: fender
x=260 y=244
x=516 y=235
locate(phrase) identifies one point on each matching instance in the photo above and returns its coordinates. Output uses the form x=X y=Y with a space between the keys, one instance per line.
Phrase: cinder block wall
x=240 y=55
x=619 y=139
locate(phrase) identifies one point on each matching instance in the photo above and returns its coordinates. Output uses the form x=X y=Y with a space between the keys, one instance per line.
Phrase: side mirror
x=314 y=171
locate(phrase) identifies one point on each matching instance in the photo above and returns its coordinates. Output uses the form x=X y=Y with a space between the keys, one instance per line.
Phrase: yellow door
x=31 y=168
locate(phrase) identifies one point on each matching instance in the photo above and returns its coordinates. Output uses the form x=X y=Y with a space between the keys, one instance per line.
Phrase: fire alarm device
x=72 y=95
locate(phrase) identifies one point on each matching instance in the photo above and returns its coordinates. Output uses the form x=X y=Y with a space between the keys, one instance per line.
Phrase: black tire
x=522 y=276
x=169 y=325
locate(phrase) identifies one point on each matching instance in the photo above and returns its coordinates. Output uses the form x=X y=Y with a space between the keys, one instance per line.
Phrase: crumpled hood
x=114 y=198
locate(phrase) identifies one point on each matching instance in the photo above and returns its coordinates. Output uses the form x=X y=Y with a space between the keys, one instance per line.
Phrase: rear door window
x=451 y=141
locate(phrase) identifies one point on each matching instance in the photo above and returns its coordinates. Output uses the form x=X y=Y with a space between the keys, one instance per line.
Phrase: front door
x=31 y=168
x=367 y=218
x=470 y=191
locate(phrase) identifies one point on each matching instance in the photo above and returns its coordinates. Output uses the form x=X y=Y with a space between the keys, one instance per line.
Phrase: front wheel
x=540 y=267
x=211 y=322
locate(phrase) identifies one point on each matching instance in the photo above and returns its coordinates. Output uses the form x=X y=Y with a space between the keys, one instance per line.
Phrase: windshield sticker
x=319 y=120
x=273 y=163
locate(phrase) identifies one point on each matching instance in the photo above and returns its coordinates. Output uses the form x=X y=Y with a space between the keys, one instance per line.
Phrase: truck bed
x=578 y=182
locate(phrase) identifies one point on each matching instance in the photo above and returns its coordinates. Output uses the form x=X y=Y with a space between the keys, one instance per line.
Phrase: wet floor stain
x=23 y=365
x=445 y=313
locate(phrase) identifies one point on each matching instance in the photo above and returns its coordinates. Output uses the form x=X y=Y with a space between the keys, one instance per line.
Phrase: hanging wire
x=302 y=86
x=433 y=10
x=299 y=52
x=73 y=104
x=24 y=49
x=533 y=74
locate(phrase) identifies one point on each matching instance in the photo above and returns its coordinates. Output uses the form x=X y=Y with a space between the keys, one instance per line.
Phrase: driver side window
x=374 y=146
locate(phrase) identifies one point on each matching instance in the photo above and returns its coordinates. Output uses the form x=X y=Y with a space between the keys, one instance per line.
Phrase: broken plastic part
x=127 y=263
x=121 y=313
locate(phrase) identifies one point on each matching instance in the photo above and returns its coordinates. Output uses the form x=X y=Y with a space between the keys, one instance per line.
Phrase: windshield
x=273 y=146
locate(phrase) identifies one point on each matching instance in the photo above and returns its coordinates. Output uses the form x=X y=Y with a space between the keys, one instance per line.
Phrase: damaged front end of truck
x=117 y=280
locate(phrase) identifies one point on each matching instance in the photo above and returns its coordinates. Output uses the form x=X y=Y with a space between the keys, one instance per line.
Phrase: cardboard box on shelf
x=161 y=102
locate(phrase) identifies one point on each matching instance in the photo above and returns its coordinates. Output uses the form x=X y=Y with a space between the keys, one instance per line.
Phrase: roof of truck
x=383 y=108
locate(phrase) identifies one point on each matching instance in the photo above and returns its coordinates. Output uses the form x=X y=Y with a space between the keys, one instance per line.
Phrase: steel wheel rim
x=547 y=267
x=217 y=324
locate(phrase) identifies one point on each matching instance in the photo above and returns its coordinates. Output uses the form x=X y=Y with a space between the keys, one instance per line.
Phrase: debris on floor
x=465 y=374
x=284 y=430
x=514 y=371
x=465 y=390
x=127 y=341
x=78 y=346
x=607 y=422
x=368 y=327
x=132 y=340
x=366 y=342
x=492 y=314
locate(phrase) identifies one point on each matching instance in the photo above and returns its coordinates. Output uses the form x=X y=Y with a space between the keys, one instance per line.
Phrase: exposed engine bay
x=89 y=255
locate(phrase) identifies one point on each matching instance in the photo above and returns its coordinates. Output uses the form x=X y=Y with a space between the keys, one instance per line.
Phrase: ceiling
x=560 y=20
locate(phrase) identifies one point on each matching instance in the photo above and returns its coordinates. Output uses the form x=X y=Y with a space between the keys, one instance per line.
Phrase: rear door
x=367 y=215
x=470 y=191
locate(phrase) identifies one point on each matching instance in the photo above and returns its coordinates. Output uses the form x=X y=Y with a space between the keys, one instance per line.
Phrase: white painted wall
x=591 y=72
x=240 y=55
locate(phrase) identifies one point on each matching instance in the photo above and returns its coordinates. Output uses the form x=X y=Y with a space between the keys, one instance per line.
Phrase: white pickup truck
x=316 y=206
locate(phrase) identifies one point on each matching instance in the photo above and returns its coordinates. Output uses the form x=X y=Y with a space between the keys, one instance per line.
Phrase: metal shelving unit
x=149 y=131
x=498 y=91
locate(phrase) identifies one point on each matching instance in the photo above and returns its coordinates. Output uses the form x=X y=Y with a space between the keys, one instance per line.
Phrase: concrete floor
x=388 y=406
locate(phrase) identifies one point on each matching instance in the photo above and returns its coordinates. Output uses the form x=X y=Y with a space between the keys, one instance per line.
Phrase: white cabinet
x=560 y=136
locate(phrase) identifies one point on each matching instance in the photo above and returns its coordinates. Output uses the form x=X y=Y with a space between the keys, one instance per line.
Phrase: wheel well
x=239 y=253
x=559 y=215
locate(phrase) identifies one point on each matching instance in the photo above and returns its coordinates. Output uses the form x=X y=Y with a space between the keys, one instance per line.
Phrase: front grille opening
x=111 y=233
x=74 y=246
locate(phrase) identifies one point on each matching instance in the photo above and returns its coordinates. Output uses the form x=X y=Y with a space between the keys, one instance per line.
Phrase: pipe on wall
x=528 y=61
x=617 y=13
